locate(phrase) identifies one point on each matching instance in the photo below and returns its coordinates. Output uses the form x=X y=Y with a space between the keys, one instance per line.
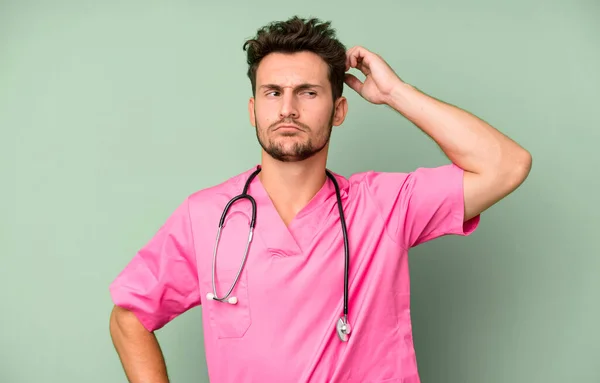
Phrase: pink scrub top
x=290 y=293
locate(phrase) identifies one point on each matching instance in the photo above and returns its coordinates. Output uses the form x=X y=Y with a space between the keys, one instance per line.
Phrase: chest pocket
x=230 y=320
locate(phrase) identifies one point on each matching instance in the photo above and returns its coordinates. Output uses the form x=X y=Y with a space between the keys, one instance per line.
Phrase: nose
x=289 y=108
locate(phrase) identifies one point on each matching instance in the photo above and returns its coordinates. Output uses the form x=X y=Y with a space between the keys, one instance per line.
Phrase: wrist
x=400 y=97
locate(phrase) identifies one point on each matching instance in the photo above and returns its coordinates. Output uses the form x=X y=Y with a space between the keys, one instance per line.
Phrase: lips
x=288 y=127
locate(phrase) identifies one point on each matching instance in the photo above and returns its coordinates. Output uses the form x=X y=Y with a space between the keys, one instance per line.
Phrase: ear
x=340 y=111
x=251 y=112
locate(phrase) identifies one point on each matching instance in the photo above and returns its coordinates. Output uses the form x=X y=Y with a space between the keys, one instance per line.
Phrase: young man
x=284 y=320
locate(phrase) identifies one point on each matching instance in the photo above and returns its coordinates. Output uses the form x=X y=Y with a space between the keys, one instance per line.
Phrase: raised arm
x=494 y=164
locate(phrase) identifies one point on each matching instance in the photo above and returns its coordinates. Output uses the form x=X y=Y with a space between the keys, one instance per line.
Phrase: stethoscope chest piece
x=343 y=329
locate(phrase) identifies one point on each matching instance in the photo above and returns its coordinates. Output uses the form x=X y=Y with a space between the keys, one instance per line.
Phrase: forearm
x=469 y=142
x=138 y=349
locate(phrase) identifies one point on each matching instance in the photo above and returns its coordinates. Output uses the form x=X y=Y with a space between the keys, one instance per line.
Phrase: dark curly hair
x=298 y=35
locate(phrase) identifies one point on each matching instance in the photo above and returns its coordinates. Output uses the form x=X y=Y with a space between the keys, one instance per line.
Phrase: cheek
x=324 y=114
x=265 y=114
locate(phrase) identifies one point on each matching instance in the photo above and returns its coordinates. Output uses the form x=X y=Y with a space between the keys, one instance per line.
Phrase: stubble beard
x=300 y=151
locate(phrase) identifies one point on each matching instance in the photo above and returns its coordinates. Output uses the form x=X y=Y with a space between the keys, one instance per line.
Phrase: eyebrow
x=298 y=87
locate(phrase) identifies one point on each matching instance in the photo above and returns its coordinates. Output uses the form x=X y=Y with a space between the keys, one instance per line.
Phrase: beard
x=300 y=150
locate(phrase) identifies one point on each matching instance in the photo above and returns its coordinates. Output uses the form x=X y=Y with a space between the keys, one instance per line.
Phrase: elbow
x=517 y=169
x=522 y=165
x=116 y=321
x=123 y=322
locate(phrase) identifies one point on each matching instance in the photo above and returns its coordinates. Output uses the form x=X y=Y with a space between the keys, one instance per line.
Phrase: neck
x=291 y=185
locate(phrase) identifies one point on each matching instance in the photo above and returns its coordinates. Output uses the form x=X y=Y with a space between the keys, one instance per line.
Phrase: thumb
x=353 y=82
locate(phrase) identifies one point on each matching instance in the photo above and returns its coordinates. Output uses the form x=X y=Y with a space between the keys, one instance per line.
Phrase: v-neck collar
x=282 y=240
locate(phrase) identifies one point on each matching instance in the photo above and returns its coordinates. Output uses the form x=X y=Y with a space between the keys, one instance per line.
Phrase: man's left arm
x=493 y=164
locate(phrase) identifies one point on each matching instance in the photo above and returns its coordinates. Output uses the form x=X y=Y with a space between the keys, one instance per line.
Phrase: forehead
x=286 y=69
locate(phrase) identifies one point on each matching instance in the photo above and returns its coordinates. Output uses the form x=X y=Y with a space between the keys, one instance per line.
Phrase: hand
x=380 y=78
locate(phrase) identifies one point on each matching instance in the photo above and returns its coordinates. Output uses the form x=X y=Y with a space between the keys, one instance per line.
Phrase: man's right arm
x=138 y=348
x=157 y=285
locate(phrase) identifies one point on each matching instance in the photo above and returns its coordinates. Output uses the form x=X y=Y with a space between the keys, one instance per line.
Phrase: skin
x=294 y=159
x=137 y=348
x=494 y=164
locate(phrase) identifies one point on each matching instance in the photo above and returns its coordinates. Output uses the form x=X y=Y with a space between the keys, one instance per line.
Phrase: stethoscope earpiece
x=230 y=300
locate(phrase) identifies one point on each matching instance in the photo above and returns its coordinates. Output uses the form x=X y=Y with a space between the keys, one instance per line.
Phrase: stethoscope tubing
x=343 y=326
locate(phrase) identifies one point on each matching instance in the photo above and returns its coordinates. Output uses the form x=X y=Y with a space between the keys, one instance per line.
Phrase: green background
x=111 y=112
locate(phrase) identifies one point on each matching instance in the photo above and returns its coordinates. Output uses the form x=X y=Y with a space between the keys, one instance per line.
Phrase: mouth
x=288 y=128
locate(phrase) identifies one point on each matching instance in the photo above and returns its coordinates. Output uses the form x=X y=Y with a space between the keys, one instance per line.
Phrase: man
x=279 y=322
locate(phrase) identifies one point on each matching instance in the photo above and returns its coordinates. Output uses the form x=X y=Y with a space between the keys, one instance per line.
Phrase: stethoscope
x=342 y=325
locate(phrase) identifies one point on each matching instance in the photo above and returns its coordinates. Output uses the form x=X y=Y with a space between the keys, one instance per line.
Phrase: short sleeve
x=161 y=281
x=422 y=205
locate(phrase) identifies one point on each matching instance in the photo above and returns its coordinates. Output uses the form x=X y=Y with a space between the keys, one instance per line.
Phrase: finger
x=362 y=66
x=353 y=56
x=357 y=57
x=350 y=56
x=353 y=82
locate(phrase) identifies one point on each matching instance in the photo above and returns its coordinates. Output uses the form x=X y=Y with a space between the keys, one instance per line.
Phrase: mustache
x=288 y=121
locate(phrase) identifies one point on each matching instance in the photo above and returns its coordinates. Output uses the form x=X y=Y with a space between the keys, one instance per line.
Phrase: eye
x=310 y=93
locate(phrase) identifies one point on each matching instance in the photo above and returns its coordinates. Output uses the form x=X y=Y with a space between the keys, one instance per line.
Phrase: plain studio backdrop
x=112 y=112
